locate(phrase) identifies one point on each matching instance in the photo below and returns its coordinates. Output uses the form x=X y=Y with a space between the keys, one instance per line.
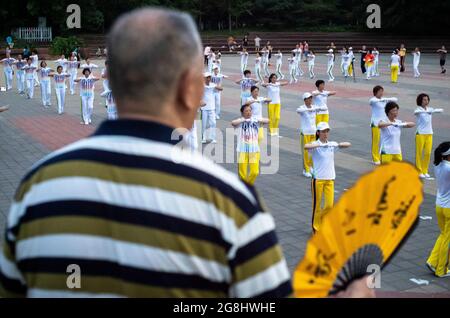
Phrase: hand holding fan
x=366 y=226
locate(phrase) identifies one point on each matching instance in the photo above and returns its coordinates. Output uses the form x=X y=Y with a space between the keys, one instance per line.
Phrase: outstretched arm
x=237 y=121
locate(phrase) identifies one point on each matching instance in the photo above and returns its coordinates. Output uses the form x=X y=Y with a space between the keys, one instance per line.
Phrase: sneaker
x=430 y=267
x=422 y=176
x=203 y=141
x=307 y=174
x=427 y=175
x=445 y=275
x=214 y=141
x=377 y=163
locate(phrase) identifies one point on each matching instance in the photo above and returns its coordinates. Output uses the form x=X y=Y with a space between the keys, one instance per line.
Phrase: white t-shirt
x=292 y=64
x=311 y=59
x=248 y=136
x=257 y=41
x=416 y=58
x=330 y=58
x=258 y=62
x=378 y=105
x=279 y=57
x=35 y=61
x=208 y=97
x=273 y=92
x=207 y=50
x=442 y=172
x=345 y=58
x=321 y=101
x=395 y=60
x=217 y=79
x=298 y=54
x=323 y=161
x=424 y=117
x=376 y=55
x=307 y=119
x=256 y=106
x=390 y=139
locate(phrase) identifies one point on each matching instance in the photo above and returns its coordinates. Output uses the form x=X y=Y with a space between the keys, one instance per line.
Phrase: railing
x=40 y=34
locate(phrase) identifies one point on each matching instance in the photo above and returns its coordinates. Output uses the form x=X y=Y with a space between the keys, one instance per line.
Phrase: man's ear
x=190 y=90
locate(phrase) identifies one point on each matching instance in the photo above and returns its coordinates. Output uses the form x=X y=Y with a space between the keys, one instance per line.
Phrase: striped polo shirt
x=141 y=217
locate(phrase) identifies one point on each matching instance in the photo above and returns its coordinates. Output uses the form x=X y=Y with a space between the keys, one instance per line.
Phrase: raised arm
x=383 y=124
x=237 y=121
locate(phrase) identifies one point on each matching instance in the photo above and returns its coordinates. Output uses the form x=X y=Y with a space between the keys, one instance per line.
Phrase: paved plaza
x=28 y=131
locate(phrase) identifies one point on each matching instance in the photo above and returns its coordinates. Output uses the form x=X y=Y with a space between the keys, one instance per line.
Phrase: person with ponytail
x=438 y=260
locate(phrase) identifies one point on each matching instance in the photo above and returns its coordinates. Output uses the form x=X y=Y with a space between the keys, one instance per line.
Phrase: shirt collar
x=138 y=128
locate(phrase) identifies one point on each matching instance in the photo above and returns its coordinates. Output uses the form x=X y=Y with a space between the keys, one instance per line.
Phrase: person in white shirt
x=35 y=59
x=218 y=61
x=438 y=261
x=206 y=53
x=279 y=63
x=89 y=65
x=244 y=60
x=395 y=66
x=62 y=61
x=111 y=108
x=209 y=110
x=20 y=74
x=344 y=60
x=255 y=101
x=376 y=55
x=292 y=70
x=246 y=84
x=29 y=69
x=308 y=129
x=424 y=133
x=87 y=85
x=46 y=87
x=8 y=62
x=330 y=65
x=311 y=58
x=248 y=150
x=265 y=61
x=60 y=87
x=257 y=43
x=322 y=185
x=320 y=99
x=274 y=107
x=377 y=104
x=72 y=68
x=211 y=59
x=390 y=129
x=297 y=55
x=258 y=65
x=217 y=78
x=416 y=62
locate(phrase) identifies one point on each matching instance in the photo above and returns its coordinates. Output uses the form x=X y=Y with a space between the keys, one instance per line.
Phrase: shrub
x=62 y=45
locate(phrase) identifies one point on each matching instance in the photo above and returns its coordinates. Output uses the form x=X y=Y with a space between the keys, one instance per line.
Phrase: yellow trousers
x=350 y=70
x=248 y=161
x=307 y=159
x=274 y=116
x=260 y=134
x=375 y=144
x=424 y=144
x=322 y=118
x=386 y=158
x=439 y=256
x=321 y=189
x=394 y=73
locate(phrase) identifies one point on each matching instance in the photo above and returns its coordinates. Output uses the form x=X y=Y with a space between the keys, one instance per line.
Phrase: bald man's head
x=149 y=50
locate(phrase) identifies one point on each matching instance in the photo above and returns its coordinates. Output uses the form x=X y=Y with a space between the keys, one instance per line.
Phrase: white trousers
x=375 y=68
x=243 y=68
x=60 y=91
x=73 y=76
x=208 y=124
x=36 y=78
x=217 y=102
x=266 y=68
x=311 y=70
x=416 y=70
x=278 y=72
x=46 y=92
x=330 y=71
x=112 y=111
x=292 y=75
x=30 y=86
x=87 y=107
x=20 y=75
x=8 y=77
x=345 y=67
x=259 y=74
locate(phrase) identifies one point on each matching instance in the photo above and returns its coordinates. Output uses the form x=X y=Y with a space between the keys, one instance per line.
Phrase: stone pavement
x=28 y=132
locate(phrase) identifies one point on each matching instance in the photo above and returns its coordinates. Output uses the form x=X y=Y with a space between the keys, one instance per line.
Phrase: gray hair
x=148 y=51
